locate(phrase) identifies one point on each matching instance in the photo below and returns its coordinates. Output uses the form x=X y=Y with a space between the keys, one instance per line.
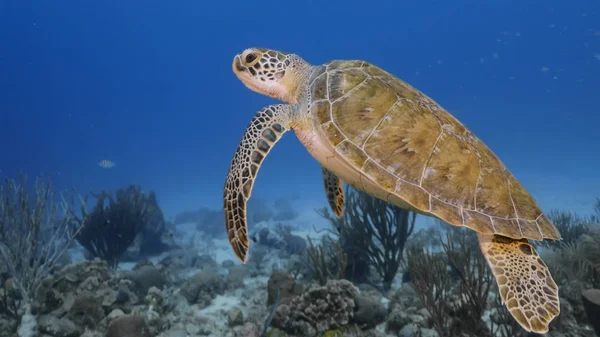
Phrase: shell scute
x=526 y=206
x=486 y=156
x=381 y=176
x=446 y=211
x=369 y=103
x=375 y=71
x=449 y=122
x=402 y=89
x=341 y=82
x=332 y=133
x=477 y=221
x=352 y=153
x=547 y=227
x=318 y=89
x=421 y=155
x=415 y=195
x=403 y=141
x=530 y=229
x=509 y=227
x=452 y=172
x=322 y=110
x=344 y=64
x=493 y=194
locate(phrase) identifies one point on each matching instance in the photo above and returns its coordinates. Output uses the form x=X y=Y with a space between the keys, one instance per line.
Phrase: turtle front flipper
x=334 y=189
x=524 y=282
x=265 y=129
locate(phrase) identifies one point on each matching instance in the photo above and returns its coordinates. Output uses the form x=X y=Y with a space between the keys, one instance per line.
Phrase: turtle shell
x=418 y=154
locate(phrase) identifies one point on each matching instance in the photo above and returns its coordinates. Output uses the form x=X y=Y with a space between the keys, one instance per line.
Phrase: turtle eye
x=251 y=57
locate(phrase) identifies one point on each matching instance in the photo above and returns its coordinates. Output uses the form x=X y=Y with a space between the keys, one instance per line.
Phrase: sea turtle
x=372 y=130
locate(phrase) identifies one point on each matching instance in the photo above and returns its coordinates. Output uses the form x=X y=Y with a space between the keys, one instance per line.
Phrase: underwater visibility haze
x=442 y=180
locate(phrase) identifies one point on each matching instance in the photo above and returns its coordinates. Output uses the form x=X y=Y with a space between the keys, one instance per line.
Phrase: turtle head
x=272 y=73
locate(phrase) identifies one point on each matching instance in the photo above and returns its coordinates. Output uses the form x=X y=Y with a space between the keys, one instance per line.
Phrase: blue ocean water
x=148 y=85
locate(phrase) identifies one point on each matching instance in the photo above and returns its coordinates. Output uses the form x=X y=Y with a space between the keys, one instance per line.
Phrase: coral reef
x=372 y=233
x=455 y=307
x=320 y=309
x=290 y=287
x=115 y=222
x=34 y=235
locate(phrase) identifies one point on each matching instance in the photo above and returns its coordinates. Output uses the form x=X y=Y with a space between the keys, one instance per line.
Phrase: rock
x=9 y=325
x=287 y=286
x=146 y=277
x=409 y=330
x=192 y=328
x=58 y=327
x=155 y=296
x=175 y=332
x=115 y=314
x=181 y=259
x=397 y=319
x=368 y=312
x=248 y=330
x=591 y=303
x=202 y=288
x=86 y=310
x=236 y=276
x=28 y=326
x=91 y=333
x=405 y=297
x=128 y=326
x=418 y=319
x=235 y=317
x=423 y=312
x=429 y=333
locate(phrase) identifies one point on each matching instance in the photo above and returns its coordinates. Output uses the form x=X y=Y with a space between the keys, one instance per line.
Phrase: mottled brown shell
x=416 y=151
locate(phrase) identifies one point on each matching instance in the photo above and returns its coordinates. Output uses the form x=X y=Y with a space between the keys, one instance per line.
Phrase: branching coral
x=372 y=232
x=34 y=235
x=327 y=260
x=467 y=261
x=433 y=284
x=114 y=222
x=454 y=310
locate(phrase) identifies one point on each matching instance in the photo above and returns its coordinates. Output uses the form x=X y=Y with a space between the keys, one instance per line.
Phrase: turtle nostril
x=238 y=65
x=251 y=57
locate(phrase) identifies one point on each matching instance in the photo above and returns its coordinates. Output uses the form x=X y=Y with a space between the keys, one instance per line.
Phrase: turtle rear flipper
x=524 y=281
x=264 y=131
x=334 y=189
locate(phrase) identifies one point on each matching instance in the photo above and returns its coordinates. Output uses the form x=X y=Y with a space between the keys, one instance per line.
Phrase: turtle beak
x=237 y=65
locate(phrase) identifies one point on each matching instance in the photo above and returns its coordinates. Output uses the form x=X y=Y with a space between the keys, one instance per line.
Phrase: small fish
x=105 y=163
